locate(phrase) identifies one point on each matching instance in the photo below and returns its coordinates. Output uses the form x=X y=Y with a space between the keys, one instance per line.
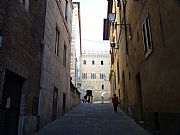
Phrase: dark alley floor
x=93 y=119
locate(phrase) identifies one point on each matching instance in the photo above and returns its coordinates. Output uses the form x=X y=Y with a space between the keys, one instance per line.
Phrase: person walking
x=115 y=102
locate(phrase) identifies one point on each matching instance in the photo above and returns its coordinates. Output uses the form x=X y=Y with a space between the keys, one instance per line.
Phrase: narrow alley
x=61 y=61
x=93 y=119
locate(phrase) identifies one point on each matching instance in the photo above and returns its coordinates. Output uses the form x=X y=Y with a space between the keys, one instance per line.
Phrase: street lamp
x=112 y=17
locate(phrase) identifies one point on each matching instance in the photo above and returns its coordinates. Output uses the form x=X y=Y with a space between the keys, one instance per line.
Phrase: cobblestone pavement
x=93 y=119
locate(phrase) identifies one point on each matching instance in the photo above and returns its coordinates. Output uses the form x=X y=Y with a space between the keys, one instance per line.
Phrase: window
x=93 y=75
x=102 y=87
x=84 y=75
x=93 y=62
x=101 y=62
x=57 y=42
x=25 y=3
x=84 y=62
x=102 y=76
x=64 y=55
x=147 y=38
x=66 y=10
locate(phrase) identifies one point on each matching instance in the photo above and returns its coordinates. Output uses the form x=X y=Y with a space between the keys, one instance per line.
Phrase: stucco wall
x=150 y=81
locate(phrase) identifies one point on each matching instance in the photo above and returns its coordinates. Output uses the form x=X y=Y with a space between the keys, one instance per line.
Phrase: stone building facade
x=21 y=33
x=75 y=56
x=95 y=69
x=54 y=99
x=35 y=42
x=74 y=96
x=145 y=68
x=76 y=44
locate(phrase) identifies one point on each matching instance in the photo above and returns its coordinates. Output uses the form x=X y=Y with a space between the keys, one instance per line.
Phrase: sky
x=92 y=14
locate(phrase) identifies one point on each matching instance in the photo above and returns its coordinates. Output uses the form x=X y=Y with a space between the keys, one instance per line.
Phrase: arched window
x=102 y=87
x=93 y=62
x=101 y=62
x=84 y=62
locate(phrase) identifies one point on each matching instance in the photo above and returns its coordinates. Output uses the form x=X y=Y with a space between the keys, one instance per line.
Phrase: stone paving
x=93 y=119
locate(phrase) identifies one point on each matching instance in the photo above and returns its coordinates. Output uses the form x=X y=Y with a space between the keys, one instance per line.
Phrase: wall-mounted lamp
x=112 y=17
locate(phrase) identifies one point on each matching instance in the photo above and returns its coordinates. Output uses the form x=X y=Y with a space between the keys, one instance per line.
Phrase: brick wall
x=20 y=53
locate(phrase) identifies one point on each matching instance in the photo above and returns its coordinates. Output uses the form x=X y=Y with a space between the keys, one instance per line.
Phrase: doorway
x=139 y=98
x=11 y=100
x=54 y=107
x=64 y=103
x=124 y=90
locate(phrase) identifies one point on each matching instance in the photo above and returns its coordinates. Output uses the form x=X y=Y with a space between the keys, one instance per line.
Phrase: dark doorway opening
x=11 y=100
x=156 y=121
x=124 y=90
x=55 y=99
x=64 y=103
x=139 y=98
x=88 y=97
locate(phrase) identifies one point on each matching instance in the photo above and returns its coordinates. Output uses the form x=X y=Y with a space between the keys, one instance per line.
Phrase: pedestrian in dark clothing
x=88 y=100
x=115 y=102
